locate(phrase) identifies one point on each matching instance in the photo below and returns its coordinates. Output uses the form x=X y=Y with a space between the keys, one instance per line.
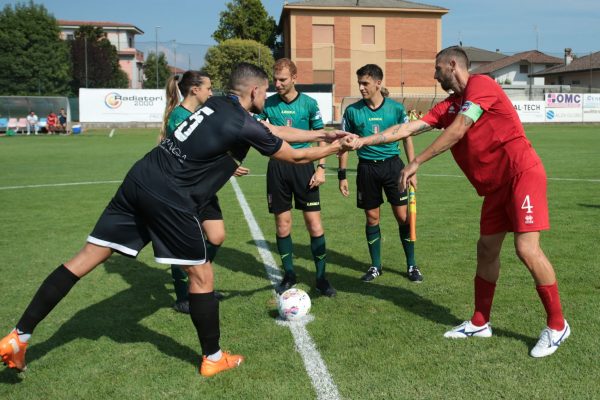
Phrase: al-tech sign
x=530 y=111
x=564 y=107
x=121 y=105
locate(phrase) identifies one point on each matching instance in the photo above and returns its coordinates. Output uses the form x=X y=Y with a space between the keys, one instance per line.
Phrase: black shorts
x=285 y=180
x=134 y=217
x=212 y=211
x=375 y=175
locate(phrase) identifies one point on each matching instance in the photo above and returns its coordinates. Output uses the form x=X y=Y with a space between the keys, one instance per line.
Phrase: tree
x=220 y=59
x=247 y=19
x=34 y=60
x=103 y=69
x=150 y=71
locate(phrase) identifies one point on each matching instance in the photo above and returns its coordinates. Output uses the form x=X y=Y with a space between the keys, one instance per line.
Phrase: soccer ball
x=293 y=304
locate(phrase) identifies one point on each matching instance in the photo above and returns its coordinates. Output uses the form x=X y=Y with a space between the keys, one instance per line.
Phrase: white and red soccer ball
x=293 y=304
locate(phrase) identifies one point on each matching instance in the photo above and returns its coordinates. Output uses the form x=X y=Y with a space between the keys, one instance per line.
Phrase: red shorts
x=520 y=206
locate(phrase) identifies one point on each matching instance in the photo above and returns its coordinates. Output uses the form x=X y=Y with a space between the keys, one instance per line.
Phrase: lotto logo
x=529 y=219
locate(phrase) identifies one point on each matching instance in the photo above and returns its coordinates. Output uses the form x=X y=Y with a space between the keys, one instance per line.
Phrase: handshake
x=347 y=141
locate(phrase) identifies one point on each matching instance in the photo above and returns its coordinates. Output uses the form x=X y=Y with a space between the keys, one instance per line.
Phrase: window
x=524 y=68
x=322 y=76
x=577 y=82
x=130 y=42
x=70 y=36
x=368 y=34
x=322 y=33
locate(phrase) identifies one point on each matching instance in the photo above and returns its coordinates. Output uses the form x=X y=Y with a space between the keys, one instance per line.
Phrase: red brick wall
x=413 y=74
x=417 y=37
x=341 y=32
x=343 y=83
x=304 y=41
x=305 y=71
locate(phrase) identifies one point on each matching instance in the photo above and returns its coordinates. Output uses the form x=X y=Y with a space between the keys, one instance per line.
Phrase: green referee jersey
x=302 y=113
x=362 y=120
x=177 y=116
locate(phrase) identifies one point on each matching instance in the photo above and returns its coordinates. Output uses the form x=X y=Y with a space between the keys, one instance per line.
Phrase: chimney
x=568 y=56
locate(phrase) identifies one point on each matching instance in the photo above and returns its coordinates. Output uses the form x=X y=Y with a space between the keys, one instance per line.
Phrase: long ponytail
x=179 y=87
x=172 y=90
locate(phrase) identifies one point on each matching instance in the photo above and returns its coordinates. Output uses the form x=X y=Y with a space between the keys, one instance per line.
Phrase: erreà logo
x=113 y=100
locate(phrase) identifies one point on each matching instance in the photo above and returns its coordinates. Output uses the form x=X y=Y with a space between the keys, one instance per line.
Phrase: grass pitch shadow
x=118 y=317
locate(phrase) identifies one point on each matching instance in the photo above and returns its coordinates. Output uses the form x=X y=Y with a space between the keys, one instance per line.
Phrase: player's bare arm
x=295 y=135
x=302 y=156
x=409 y=150
x=318 y=177
x=395 y=133
x=343 y=180
x=449 y=137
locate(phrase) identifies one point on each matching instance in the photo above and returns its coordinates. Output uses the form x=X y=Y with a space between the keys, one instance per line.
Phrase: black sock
x=204 y=311
x=53 y=289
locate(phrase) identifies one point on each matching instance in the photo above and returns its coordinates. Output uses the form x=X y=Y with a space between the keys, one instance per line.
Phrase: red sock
x=484 y=296
x=551 y=301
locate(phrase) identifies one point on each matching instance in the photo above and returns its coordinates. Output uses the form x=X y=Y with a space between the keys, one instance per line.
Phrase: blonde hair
x=179 y=87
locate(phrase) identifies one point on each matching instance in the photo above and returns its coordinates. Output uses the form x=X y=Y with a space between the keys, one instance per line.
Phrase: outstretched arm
x=305 y=155
x=396 y=132
x=295 y=135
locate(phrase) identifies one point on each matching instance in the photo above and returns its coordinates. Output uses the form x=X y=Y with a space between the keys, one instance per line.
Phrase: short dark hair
x=372 y=70
x=456 y=52
x=243 y=72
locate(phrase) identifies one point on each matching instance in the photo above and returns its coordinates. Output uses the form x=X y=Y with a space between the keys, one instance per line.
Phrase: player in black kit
x=160 y=201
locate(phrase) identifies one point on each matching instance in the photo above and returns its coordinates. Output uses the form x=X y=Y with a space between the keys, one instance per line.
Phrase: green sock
x=407 y=244
x=180 y=281
x=211 y=251
x=286 y=251
x=374 y=241
x=319 y=253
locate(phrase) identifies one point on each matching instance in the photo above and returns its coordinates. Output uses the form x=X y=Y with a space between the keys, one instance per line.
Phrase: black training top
x=186 y=169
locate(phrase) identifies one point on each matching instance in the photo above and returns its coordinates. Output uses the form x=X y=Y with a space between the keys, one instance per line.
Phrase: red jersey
x=495 y=148
x=52 y=119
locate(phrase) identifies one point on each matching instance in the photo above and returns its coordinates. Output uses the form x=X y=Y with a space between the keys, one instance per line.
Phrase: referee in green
x=378 y=168
x=290 y=108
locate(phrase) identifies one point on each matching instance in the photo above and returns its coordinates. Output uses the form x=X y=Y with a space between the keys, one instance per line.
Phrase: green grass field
x=116 y=336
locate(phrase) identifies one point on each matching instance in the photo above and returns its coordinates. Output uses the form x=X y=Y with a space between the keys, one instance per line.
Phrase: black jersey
x=186 y=169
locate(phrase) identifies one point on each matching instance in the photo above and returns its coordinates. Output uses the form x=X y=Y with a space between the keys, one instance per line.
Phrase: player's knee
x=486 y=250
x=216 y=238
x=527 y=252
x=315 y=229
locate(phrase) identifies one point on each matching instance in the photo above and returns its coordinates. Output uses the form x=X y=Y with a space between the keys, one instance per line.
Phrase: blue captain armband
x=471 y=110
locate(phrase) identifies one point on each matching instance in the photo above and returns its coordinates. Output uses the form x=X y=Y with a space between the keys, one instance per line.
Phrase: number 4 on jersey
x=527 y=205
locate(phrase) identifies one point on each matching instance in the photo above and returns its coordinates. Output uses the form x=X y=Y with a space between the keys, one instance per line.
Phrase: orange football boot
x=12 y=351
x=227 y=361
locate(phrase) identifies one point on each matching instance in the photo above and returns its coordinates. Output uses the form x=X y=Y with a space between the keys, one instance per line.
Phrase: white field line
x=262 y=176
x=323 y=383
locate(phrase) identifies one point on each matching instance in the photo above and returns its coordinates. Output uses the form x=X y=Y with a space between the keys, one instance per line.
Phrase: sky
x=511 y=26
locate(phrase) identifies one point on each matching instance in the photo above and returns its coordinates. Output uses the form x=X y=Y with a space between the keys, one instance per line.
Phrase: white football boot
x=549 y=341
x=467 y=329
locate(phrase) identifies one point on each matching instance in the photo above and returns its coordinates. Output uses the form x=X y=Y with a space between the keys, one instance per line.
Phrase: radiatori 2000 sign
x=121 y=105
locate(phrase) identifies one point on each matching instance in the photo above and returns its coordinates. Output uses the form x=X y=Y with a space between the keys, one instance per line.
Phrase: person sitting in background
x=32 y=123
x=51 y=123
x=62 y=120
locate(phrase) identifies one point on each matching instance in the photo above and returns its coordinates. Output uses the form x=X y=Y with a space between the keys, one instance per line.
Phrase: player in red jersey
x=488 y=142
